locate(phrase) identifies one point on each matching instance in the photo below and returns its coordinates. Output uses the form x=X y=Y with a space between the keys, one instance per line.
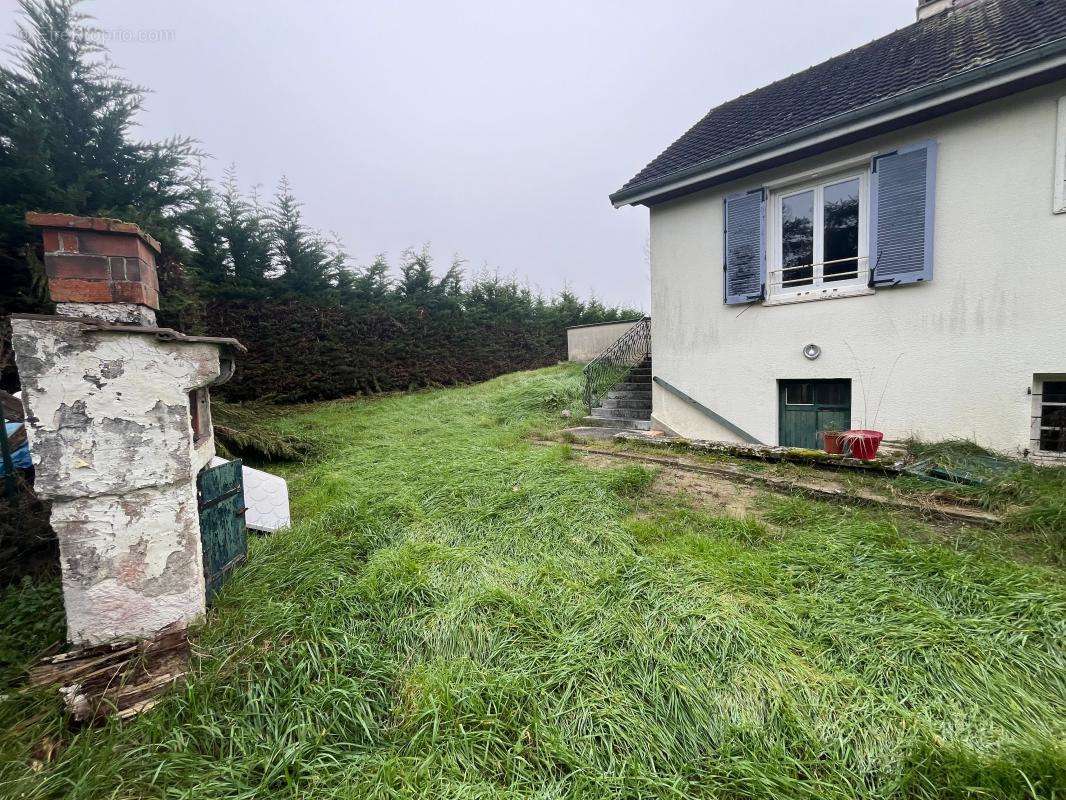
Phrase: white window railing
x=812 y=277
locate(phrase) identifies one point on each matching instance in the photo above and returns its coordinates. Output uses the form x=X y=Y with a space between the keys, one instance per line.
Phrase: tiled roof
x=920 y=54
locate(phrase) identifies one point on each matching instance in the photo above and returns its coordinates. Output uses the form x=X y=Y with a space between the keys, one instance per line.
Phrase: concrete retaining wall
x=585 y=342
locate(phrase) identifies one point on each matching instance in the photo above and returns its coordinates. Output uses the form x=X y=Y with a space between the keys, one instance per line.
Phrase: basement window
x=1053 y=417
x=1050 y=417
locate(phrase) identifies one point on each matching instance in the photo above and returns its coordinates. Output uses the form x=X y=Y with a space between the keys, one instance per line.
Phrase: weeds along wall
x=299 y=351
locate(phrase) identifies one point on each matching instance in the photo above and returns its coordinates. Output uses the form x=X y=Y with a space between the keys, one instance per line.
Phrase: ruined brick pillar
x=119 y=427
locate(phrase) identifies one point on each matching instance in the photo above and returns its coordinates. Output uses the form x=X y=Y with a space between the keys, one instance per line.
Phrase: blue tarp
x=19 y=458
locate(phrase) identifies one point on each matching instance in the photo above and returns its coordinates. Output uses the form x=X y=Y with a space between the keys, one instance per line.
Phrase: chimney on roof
x=930 y=8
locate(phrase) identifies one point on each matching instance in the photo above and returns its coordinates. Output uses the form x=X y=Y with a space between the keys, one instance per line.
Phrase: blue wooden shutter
x=745 y=247
x=902 y=200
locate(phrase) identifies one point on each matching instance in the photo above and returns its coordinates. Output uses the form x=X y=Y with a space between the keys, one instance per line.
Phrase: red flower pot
x=863 y=444
x=831 y=442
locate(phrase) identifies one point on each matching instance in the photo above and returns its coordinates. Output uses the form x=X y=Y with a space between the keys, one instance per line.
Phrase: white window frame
x=777 y=292
x=1059 y=205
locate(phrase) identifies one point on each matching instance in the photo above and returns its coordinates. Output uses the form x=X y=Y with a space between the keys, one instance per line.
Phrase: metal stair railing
x=613 y=364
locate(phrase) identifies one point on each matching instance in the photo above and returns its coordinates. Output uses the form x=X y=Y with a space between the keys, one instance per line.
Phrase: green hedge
x=299 y=351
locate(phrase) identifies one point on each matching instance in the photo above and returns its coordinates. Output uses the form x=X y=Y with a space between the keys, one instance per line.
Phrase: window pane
x=798 y=394
x=832 y=394
x=1053 y=440
x=841 y=230
x=797 y=239
x=1053 y=417
x=1054 y=392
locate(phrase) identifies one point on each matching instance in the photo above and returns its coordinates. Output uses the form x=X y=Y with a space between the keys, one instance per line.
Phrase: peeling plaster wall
x=954 y=357
x=126 y=313
x=110 y=432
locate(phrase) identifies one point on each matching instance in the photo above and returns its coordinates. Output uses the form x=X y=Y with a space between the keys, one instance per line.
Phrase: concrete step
x=622 y=413
x=630 y=386
x=643 y=378
x=595 y=432
x=620 y=424
x=627 y=402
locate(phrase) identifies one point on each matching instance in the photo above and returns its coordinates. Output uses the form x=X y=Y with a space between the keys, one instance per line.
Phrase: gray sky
x=490 y=129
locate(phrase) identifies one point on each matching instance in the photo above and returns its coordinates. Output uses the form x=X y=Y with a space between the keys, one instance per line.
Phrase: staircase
x=618 y=382
x=628 y=405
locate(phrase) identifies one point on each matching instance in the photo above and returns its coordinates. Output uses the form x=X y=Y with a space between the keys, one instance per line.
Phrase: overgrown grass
x=245 y=431
x=460 y=613
x=1033 y=498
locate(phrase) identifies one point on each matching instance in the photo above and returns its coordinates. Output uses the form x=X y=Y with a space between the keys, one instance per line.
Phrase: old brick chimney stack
x=103 y=269
x=119 y=427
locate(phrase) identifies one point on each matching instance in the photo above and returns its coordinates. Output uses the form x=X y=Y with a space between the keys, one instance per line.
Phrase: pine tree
x=301 y=254
x=209 y=259
x=366 y=287
x=247 y=234
x=65 y=123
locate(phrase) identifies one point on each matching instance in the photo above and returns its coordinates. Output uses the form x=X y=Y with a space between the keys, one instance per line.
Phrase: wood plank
x=117 y=679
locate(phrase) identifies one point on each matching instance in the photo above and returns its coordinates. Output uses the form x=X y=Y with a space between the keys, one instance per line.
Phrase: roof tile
x=920 y=54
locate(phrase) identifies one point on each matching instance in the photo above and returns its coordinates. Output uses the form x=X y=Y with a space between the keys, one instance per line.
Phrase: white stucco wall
x=968 y=343
x=585 y=342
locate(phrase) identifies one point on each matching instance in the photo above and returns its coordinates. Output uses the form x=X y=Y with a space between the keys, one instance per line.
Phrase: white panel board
x=267 y=499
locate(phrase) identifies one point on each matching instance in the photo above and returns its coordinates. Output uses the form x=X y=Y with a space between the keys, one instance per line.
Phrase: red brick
x=109 y=244
x=69 y=242
x=145 y=253
x=149 y=275
x=51 y=240
x=74 y=290
x=103 y=224
x=134 y=292
x=76 y=266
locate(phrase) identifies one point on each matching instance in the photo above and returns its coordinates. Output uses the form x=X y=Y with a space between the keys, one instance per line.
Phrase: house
x=876 y=242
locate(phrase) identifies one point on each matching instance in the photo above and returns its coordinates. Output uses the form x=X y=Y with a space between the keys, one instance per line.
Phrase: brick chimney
x=930 y=8
x=100 y=268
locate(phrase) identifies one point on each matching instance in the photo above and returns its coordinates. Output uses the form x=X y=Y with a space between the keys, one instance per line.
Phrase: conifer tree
x=209 y=259
x=368 y=286
x=65 y=144
x=301 y=254
x=247 y=234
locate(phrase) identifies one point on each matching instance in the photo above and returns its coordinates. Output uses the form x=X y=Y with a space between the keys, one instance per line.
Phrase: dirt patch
x=722 y=496
x=693 y=476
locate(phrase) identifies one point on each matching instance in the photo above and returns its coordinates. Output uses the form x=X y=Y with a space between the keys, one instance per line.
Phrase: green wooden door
x=809 y=407
x=220 y=496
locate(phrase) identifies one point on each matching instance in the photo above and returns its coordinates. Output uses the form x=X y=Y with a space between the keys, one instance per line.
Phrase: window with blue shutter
x=745 y=247
x=902 y=201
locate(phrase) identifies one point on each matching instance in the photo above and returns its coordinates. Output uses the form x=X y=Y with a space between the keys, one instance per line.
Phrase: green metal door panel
x=220 y=496
x=831 y=420
x=809 y=407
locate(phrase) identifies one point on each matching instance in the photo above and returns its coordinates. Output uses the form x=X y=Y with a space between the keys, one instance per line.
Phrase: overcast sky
x=489 y=129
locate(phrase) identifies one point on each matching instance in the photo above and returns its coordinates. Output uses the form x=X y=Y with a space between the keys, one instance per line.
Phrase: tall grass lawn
x=463 y=612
